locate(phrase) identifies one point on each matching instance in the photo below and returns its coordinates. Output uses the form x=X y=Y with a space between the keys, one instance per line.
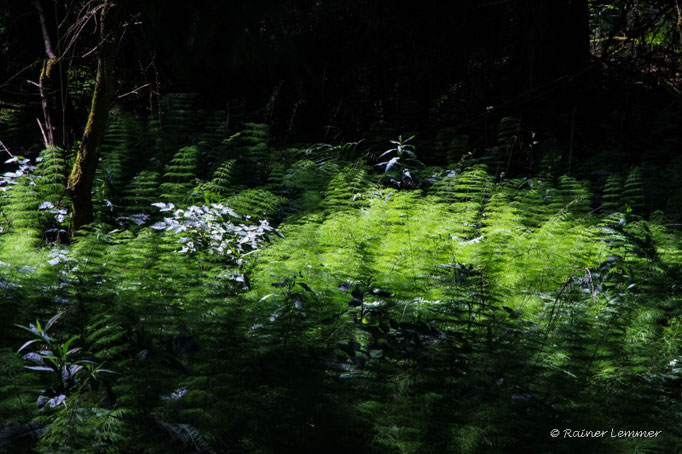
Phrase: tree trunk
x=83 y=173
x=45 y=81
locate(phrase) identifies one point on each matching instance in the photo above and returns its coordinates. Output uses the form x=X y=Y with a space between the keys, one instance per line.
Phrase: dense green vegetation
x=232 y=231
x=466 y=312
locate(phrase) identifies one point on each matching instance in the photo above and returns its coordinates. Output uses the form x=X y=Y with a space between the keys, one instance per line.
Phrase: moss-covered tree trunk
x=83 y=173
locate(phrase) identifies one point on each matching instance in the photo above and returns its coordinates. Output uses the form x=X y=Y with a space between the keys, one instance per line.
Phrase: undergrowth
x=450 y=309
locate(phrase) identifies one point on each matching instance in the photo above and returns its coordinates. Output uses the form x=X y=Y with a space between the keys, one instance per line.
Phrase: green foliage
x=141 y=192
x=401 y=164
x=222 y=178
x=350 y=188
x=525 y=304
x=50 y=175
x=252 y=152
x=259 y=203
x=36 y=203
x=175 y=122
x=120 y=160
x=22 y=206
x=613 y=190
x=57 y=359
x=633 y=195
x=82 y=427
x=180 y=175
x=509 y=142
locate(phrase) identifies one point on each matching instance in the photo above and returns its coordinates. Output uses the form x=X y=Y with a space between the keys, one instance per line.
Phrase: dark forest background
x=336 y=70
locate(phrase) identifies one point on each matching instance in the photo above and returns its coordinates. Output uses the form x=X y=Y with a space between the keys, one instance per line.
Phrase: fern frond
x=257 y=203
x=633 y=194
x=221 y=183
x=141 y=192
x=180 y=175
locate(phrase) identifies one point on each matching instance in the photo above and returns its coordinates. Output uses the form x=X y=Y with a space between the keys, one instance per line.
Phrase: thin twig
x=134 y=91
x=88 y=53
x=6 y=149
x=40 y=125
x=74 y=32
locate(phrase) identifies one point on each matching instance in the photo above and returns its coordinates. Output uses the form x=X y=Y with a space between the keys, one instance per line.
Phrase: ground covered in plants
x=238 y=296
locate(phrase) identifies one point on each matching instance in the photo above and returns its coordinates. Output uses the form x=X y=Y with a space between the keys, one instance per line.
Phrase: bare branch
x=94 y=49
x=74 y=32
x=134 y=91
x=6 y=149
x=42 y=130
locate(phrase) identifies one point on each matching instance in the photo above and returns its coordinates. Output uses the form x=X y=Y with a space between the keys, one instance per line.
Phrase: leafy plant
x=214 y=230
x=399 y=168
x=58 y=359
